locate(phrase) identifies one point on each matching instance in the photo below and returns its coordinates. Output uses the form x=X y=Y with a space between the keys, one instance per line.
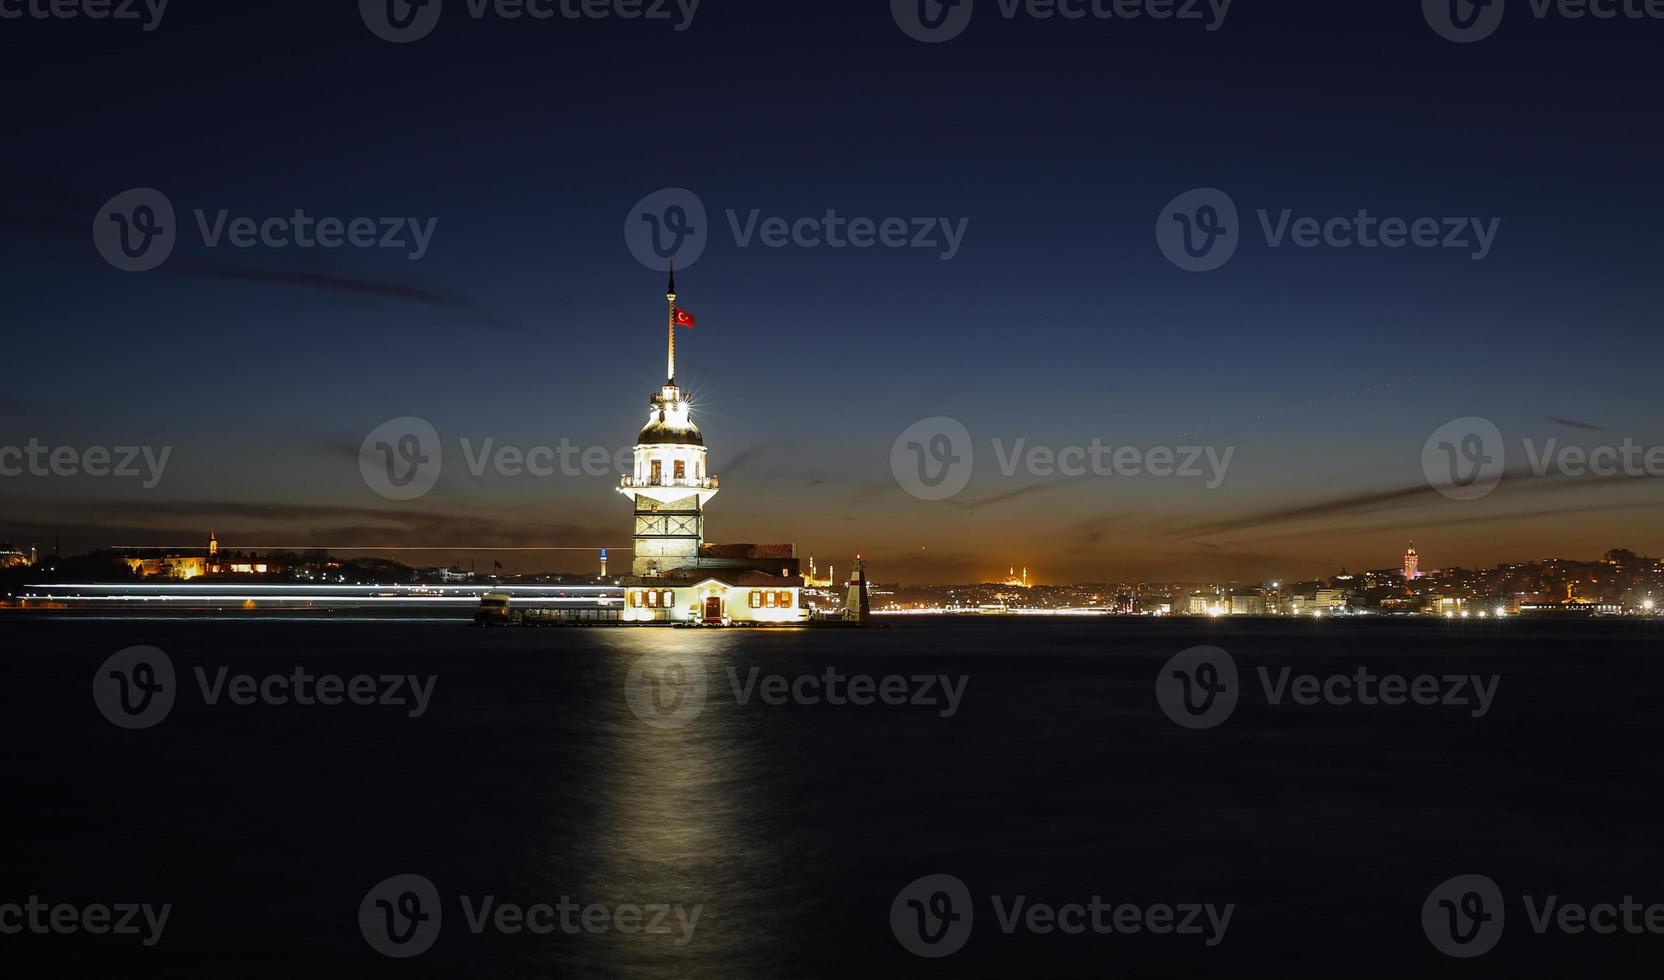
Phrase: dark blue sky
x=1059 y=321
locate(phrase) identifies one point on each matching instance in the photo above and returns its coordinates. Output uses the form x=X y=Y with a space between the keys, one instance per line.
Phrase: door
x=713 y=609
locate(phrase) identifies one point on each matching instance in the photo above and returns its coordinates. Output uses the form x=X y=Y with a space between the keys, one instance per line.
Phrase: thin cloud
x=1574 y=424
x=20 y=409
x=1383 y=499
x=40 y=211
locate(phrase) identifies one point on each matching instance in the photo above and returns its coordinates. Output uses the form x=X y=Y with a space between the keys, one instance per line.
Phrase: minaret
x=670 y=483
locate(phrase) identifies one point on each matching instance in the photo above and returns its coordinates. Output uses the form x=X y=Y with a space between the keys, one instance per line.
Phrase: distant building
x=449 y=575
x=12 y=558
x=1200 y=604
x=192 y=563
x=159 y=563
x=1318 y=602
x=1412 y=564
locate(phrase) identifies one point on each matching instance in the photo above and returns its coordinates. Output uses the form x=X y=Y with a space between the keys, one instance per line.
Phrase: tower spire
x=670 y=297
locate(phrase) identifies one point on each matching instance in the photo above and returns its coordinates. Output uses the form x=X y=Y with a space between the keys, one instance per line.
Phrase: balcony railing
x=631 y=483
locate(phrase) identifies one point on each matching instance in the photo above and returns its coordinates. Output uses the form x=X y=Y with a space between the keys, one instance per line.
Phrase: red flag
x=683 y=317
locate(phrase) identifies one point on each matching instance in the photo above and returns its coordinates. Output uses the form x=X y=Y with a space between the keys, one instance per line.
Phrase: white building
x=676 y=576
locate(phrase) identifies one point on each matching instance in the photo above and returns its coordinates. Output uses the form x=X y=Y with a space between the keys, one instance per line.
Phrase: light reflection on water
x=681 y=812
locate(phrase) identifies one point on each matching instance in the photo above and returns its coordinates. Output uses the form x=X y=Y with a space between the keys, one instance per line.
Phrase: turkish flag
x=683 y=317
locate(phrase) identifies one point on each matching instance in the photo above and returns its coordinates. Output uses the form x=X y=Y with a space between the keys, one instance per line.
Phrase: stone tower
x=670 y=482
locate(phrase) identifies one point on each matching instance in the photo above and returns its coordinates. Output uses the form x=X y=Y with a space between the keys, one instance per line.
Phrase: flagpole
x=670 y=295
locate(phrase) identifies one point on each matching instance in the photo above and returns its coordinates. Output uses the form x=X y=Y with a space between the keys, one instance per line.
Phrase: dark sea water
x=793 y=828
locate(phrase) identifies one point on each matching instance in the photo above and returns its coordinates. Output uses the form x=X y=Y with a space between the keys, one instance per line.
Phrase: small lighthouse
x=857 y=608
